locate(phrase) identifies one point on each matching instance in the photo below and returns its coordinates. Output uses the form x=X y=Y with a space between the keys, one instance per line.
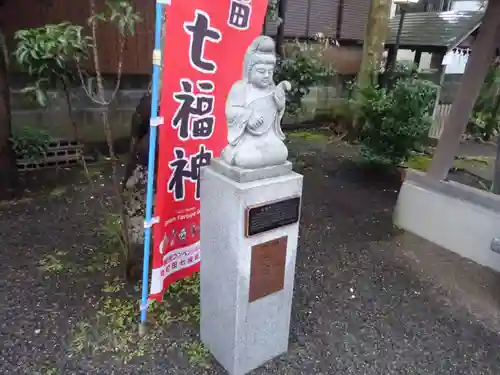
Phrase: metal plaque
x=269 y=216
x=267 y=273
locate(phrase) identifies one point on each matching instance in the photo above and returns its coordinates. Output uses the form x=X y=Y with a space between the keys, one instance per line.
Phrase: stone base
x=456 y=217
x=248 y=175
x=242 y=335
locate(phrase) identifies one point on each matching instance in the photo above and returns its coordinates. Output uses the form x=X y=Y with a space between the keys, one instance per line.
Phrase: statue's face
x=262 y=75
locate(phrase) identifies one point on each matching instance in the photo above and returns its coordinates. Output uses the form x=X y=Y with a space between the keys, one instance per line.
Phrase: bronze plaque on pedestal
x=267 y=275
x=268 y=216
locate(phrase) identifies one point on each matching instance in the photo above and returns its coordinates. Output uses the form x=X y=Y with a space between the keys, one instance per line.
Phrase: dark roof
x=434 y=29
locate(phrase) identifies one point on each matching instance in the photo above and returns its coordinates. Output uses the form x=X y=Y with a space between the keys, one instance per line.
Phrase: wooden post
x=479 y=61
x=437 y=65
x=280 y=36
x=417 y=58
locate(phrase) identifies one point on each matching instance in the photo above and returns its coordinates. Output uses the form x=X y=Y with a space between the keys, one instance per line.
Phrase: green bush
x=50 y=53
x=304 y=67
x=393 y=122
x=485 y=115
x=29 y=142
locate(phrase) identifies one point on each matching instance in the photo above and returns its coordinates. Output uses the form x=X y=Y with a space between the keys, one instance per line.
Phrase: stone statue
x=254 y=109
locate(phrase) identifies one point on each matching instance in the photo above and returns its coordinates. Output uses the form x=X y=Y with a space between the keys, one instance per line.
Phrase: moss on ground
x=315 y=136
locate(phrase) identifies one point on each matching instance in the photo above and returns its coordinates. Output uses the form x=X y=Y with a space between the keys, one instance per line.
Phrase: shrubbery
x=394 y=121
x=304 y=66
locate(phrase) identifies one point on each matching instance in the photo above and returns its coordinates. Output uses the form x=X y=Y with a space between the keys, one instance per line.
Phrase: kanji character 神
x=187 y=169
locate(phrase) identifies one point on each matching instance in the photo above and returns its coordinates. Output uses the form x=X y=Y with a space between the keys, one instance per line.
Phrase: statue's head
x=260 y=61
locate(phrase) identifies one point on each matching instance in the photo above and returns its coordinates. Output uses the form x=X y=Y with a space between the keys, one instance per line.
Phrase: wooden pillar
x=280 y=36
x=437 y=65
x=482 y=53
x=391 y=51
x=417 y=58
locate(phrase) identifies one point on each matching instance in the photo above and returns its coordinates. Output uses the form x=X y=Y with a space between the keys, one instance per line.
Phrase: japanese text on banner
x=203 y=56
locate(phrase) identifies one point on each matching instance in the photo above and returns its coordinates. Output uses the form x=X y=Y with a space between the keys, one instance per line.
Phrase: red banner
x=205 y=44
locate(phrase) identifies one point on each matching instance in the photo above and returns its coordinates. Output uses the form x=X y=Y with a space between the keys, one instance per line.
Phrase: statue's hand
x=255 y=121
x=280 y=94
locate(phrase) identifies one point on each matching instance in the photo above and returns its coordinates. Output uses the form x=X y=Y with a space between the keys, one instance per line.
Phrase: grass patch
x=115 y=286
x=110 y=252
x=58 y=191
x=418 y=162
x=197 y=354
x=103 y=261
x=113 y=331
x=55 y=263
x=95 y=170
x=314 y=136
x=421 y=162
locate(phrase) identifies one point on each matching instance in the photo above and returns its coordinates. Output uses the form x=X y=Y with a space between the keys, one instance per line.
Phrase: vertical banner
x=205 y=43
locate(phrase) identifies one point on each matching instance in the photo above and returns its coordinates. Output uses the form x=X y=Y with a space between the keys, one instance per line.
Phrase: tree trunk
x=375 y=36
x=495 y=188
x=482 y=53
x=8 y=169
x=373 y=47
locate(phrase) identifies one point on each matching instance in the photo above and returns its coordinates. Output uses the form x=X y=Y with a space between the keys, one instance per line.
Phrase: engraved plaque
x=267 y=273
x=269 y=216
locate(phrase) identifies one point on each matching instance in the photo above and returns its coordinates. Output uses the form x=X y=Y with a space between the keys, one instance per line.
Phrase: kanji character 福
x=199 y=105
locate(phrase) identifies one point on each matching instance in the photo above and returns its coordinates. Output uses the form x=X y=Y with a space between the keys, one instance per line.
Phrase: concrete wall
x=456 y=217
x=55 y=120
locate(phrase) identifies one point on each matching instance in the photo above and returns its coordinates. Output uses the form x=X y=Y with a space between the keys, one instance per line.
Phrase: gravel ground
x=363 y=303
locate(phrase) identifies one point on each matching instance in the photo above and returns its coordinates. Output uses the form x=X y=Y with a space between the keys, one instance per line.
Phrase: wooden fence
x=23 y=14
x=440 y=115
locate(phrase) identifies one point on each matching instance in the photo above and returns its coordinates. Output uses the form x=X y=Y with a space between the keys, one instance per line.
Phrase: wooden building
x=343 y=20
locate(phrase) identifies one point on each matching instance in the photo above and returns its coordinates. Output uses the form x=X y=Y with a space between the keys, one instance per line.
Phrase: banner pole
x=155 y=121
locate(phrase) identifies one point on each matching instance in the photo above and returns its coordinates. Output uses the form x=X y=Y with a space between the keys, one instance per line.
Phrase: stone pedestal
x=247 y=268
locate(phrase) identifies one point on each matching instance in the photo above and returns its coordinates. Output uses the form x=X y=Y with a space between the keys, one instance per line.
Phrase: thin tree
x=122 y=15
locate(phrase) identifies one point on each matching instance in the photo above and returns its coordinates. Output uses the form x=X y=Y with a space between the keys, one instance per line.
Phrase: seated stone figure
x=254 y=110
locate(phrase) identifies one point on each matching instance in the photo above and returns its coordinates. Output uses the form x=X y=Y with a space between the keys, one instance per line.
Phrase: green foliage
x=393 y=122
x=418 y=162
x=304 y=68
x=121 y=13
x=113 y=235
x=50 y=53
x=29 y=142
x=341 y=111
x=198 y=354
x=54 y=263
x=112 y=332
x=272 y=10
x=485 y=118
